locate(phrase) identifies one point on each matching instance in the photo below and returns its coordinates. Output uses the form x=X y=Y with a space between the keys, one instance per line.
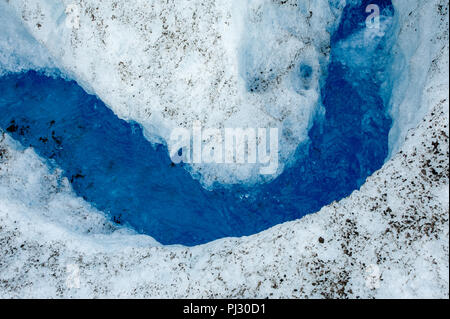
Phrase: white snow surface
x=19 y=51
x=166 y=64
x=388 y=239
x=415 y=67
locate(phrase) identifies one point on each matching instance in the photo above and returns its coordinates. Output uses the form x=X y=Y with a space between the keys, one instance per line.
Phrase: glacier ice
x=19 y=51
x=137 y=185
x=421 y=28
x=404 y=270
x=160 y=63
x=166 y=64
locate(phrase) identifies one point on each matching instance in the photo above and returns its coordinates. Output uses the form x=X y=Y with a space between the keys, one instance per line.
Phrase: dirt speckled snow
x=389 y=239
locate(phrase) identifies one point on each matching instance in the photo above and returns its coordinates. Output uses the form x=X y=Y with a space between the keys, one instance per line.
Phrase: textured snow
x=19 y=51
x=395 y=231
x=166 y=64
x=389 y=239
x=415 y=55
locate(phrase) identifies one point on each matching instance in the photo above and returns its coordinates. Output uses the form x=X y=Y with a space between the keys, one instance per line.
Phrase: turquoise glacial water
x=111 y=165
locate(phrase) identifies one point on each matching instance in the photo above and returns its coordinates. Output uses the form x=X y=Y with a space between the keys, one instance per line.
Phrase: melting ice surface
x=111 y=164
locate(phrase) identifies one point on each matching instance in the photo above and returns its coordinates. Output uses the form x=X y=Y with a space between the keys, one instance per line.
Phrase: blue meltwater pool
x=111 y=165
